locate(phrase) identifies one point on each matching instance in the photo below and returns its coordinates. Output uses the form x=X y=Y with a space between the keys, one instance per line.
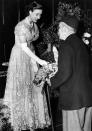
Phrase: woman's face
x=35 y=14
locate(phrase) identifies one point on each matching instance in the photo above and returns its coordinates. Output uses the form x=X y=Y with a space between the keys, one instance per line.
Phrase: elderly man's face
x=61 y=31
x=64 y=30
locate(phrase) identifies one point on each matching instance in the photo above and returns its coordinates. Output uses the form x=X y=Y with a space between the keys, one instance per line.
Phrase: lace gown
x=28 y=109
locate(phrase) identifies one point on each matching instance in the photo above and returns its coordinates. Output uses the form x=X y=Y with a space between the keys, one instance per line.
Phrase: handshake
x=44 y=74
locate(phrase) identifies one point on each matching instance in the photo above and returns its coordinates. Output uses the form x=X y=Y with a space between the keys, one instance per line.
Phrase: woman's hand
x=43 y=63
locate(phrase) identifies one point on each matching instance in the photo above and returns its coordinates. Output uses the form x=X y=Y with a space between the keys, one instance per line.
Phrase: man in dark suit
x=73 y=80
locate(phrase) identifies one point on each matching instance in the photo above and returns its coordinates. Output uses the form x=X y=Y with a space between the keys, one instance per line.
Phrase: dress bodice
x=25 y=33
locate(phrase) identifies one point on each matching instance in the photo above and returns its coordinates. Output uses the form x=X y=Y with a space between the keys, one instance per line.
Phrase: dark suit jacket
x=72 y=79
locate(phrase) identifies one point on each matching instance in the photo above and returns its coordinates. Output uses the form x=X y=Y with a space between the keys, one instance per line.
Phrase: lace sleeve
x=20 y=34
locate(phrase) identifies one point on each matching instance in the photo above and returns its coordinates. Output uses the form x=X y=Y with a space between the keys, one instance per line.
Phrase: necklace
x=29 y=23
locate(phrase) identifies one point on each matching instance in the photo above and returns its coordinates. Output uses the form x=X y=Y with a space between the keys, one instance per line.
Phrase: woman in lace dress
x=20 y=97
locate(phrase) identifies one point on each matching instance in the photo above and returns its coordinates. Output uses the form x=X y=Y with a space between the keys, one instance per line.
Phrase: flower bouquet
x=44 y=74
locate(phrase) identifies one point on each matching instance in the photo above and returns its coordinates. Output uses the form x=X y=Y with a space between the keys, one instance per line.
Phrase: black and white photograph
x=45 y=65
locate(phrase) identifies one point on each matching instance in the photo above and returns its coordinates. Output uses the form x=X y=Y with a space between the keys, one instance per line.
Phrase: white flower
x=85 y=41
x=86 y=34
